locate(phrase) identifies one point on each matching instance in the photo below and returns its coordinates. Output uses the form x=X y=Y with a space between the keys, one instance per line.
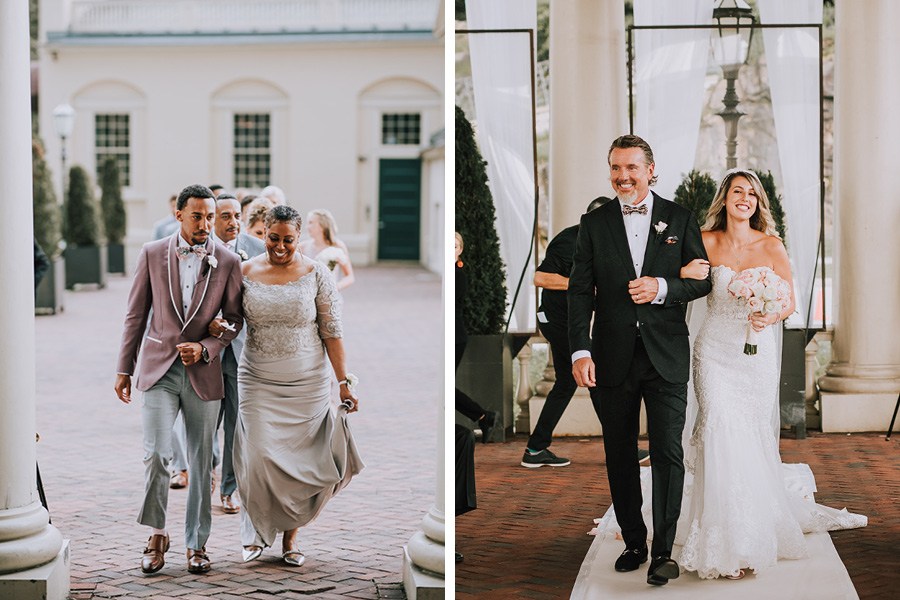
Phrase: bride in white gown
x=742 y=508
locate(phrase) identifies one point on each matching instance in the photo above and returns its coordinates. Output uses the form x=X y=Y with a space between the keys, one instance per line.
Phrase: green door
x=399 y=201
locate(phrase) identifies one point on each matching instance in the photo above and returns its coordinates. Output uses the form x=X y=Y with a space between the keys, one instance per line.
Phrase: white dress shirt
x=637 y=230
x=188 y=269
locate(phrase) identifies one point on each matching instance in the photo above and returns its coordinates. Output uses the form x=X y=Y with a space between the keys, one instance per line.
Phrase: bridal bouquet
x=764 y=291
x=331 y=256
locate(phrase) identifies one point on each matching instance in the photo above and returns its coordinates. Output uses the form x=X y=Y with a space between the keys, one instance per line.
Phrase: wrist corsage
x=351 y=381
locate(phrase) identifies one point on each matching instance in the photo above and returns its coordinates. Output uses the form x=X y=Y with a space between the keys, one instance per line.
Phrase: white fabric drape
x=670 y=66
x=792 y=59
x=501 y=83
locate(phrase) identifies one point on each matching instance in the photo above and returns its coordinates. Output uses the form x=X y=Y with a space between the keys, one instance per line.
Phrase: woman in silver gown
x=293 y=449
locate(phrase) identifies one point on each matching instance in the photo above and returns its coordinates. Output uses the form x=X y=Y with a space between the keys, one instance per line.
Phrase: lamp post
x=64 y=122
x=734 y=19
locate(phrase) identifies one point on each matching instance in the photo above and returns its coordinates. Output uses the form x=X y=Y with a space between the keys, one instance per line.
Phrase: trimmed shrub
x=111 y=205
x=696 y=193
x=82 y=220
x=768 y=183
x=484 y=307
x=46 y=210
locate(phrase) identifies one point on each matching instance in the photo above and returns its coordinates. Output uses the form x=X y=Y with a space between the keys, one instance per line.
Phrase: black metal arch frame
x=532 y=249
x=820 y=262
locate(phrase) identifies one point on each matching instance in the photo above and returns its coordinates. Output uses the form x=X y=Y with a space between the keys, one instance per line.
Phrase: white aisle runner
x=820 y=576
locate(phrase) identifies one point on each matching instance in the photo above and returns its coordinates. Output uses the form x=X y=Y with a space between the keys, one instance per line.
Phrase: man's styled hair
x=225 y=196
x=193 y=191
x=633 y=141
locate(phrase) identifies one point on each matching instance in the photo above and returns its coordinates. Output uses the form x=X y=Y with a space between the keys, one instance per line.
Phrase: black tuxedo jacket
x=598 y=287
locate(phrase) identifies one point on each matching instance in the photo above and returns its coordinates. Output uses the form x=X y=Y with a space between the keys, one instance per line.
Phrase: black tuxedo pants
x=563 y=389
x=464 y=402
x=619 y=411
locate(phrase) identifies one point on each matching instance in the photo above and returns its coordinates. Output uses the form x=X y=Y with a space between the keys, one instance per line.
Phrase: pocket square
x=672 y=239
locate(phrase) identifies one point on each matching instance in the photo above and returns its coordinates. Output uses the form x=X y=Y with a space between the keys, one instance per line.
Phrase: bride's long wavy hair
x=762 y=220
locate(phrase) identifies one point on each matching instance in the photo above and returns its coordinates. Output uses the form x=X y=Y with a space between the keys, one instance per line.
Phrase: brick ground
x=527 y=538
x=90 y=455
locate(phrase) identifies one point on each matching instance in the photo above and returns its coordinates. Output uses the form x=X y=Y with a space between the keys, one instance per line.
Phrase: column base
x=579 y=419
x=843 y=413
x=46 y=582
x=418 y=583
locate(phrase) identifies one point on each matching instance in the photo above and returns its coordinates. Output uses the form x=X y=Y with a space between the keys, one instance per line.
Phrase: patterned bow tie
x=183 y=251
x=641 y=210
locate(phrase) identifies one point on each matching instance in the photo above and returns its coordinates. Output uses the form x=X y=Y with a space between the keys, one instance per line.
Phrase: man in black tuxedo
x=625 y=274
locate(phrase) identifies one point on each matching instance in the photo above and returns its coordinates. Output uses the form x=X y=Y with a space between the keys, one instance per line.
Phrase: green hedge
x=484 y=308
x=111 y=203
x=46 y=210
x=82 y=221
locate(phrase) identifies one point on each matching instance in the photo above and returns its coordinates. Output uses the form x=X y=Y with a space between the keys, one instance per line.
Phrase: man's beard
x=630 y=197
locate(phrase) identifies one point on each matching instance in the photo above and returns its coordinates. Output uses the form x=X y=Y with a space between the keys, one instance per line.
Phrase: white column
x=588 y=102
x=27 y=541
x=424 y=553
x=860 y=387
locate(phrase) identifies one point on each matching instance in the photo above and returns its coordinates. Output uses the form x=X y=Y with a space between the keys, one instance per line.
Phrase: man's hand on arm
x=643 y=290
x=191 y=352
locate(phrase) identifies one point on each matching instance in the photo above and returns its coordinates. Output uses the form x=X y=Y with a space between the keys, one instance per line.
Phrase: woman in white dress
x=325 y=247
x=293 y=449
x=739 y=513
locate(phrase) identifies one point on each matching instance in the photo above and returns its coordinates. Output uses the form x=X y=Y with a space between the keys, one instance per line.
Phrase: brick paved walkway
x=527 y=538
x=90 y=455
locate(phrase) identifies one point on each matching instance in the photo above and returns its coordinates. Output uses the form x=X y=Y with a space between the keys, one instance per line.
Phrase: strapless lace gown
x=293 y=449
x=741 y=507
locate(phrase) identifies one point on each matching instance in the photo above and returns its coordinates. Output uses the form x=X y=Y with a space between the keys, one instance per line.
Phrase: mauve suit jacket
x=157 y=284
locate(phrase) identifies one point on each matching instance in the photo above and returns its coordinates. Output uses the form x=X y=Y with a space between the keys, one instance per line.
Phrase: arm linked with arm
x=682 y=291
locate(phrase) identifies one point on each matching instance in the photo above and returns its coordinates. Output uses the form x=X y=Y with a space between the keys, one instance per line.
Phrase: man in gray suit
x=228 y=232
x=187 y=280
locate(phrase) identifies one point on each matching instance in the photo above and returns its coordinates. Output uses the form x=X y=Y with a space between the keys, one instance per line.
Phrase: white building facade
x=334 y=101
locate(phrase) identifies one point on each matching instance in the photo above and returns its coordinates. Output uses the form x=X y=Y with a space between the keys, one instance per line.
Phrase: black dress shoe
x=631 y=559
x=662 y=569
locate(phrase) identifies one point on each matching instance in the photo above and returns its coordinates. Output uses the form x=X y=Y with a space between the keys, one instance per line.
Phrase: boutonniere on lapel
x=211 y=263
x=243 y=255
x=660 y=228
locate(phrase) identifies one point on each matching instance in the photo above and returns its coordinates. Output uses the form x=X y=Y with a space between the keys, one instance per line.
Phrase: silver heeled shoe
x=294 y=557
x=251 y=552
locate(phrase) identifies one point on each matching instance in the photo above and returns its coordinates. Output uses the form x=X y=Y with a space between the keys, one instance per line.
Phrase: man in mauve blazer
x=187 y=280
x=626 y=275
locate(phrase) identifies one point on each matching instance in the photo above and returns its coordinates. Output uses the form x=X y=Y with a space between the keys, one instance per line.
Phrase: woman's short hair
x=326 y=222
x=283 y=213
x=761 y=220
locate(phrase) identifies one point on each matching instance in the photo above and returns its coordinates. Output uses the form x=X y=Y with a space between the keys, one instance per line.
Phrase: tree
x=82 y=220
x=111 y=205
x=47 y=215
x=768 y=182
x=484 y=307
x=696 y=193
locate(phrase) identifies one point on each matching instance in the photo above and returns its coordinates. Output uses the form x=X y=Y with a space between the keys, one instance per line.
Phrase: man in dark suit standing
x=552 y=276
x=227 y=230
x=628 y=257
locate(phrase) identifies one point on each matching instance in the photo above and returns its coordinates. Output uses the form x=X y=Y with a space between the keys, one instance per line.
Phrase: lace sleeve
x=328 y=304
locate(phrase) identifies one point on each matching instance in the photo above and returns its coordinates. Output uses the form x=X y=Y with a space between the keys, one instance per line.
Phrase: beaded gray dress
x=293 y=449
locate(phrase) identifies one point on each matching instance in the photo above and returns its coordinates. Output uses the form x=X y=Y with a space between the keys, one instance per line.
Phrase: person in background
x=325 y=247
x=552 y=276
x=41 y=264
x=167 y=225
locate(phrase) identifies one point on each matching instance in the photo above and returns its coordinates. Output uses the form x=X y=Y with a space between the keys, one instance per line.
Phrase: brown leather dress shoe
x=179 y=480
x=230 y=505
x=154 y=554
x=198 y=561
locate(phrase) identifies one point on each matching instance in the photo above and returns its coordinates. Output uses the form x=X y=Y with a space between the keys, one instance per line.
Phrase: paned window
x=252 y=150
x=400 y=129
x=112 y=135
